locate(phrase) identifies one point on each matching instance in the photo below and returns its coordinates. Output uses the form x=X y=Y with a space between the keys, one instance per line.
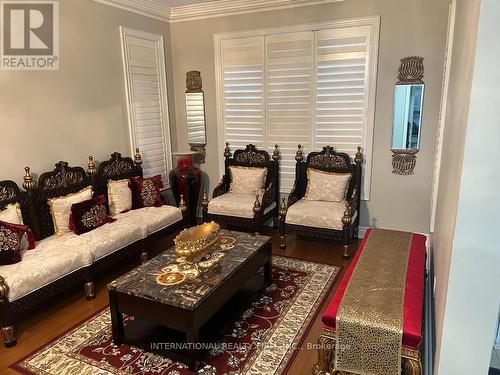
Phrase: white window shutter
x=243 y=95
x=144 y=69
x=342 y=83
x=289 y=92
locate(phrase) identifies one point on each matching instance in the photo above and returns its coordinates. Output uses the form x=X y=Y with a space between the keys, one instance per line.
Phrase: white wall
x=79 y=110
x=466 y=250
x=407 y=27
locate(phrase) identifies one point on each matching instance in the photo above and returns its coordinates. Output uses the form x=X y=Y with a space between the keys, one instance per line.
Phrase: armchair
x=245 y=210
x=333 y=220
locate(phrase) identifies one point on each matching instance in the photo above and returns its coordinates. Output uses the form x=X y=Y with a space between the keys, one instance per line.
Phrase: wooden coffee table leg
x=116 y=319
x=193 y=339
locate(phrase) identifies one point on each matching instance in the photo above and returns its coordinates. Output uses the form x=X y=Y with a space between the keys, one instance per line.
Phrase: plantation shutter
x=342 y=88
x=290 y=96
x=147 y=103
x=243 y=91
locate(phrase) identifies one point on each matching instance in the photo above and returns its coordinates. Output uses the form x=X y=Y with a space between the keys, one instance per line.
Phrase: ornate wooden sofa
x=334 y=221
x=412 y=336
x=252 y=211
x=60 y=262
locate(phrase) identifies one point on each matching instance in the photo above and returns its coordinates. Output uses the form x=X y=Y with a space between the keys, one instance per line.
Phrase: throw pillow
x=119 y=196
x=60 y=208
x=14 y=239
x=146 y=192
x=12 y=214
x=326 y=186
x=88 y=215
x=247 y=180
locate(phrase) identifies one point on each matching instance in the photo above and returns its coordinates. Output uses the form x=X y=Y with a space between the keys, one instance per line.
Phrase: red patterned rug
x=263 y=340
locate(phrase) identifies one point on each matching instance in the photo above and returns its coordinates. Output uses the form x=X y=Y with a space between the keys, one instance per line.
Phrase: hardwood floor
x=69 y=309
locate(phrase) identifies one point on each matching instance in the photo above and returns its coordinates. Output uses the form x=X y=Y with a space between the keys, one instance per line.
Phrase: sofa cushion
x=60 y=208
x=53 y=258
x=247 y=180
x=12 y=214
x=88 y=215
x=14 y=239
x=326 y=186
x=146 y=192
x=318 y=214
x=232 y=204
x=119 y=196
x=153 y=219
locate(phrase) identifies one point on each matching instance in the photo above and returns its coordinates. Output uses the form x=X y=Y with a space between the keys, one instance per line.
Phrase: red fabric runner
x=414 y=292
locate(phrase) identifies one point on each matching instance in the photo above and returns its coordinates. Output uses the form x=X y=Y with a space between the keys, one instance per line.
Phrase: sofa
x=59 y=262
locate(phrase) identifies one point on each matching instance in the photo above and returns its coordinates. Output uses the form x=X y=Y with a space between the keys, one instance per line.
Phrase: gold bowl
x=192 y=241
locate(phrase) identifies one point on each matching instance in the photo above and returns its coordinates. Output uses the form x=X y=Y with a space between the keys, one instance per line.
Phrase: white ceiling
x=176 y=3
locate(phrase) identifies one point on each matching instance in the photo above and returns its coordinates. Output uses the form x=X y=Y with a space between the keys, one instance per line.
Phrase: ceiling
x=176 y=3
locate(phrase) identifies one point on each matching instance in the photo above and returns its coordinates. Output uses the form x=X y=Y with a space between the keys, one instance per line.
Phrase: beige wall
x=79 y=110
x=408 y=27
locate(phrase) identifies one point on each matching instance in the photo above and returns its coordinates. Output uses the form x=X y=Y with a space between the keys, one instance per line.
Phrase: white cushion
x=232 y=204
x=119 y=196
x=12 y=214
x=318 y=214
x=154 y=219
x=247 y=180
x=326 y=186
x=52 y=258
x=60 y=208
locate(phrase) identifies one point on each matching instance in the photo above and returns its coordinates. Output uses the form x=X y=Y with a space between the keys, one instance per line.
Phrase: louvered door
x=144 y=69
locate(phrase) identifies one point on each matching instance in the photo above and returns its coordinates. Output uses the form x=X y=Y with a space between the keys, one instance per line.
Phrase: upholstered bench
x=412 y=312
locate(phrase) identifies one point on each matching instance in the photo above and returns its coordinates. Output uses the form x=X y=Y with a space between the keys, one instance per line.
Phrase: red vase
x=185 y=179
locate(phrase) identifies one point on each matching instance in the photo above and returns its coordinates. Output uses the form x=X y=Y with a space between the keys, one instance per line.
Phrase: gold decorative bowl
x=192 y=241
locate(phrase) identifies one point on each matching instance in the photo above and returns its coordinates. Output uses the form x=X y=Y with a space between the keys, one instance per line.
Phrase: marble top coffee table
x=194 y=293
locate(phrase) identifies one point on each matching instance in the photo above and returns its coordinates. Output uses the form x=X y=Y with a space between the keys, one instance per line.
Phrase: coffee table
x=179 y=311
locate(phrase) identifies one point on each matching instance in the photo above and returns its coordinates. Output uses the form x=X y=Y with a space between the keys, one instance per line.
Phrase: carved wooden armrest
x=353 y=201
x=350 y=208
x=293 y=197
x=4 y=288
x=269 y=196
x=220 y=189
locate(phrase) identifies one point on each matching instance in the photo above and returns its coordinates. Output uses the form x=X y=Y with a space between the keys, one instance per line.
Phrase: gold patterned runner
x=369 y=322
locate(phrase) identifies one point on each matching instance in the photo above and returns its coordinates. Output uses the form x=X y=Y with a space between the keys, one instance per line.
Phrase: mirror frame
x=194 y=85
x=410 y=72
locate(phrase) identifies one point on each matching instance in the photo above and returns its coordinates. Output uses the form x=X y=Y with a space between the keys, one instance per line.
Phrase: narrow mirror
x=195 y=115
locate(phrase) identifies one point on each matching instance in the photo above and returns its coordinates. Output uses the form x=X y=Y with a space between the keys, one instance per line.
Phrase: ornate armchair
x=333 y=220
x=239 y=210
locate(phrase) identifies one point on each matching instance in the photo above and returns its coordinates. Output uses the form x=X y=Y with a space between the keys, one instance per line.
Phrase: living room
x=214 y=118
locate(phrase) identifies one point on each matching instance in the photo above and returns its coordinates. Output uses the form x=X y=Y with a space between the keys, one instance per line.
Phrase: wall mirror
x=407 y=115
x=195 y=115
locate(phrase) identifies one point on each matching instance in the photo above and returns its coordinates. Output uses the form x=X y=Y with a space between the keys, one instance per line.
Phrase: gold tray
x=170 y=278
x=192 y=241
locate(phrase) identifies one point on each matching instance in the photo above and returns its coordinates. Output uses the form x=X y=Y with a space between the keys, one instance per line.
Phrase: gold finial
x=298 y=154
x=28 y=182
x=283 y=208
x=91 y=169
x=204 y=199
x=358 y=159
x=182 y=204
x=137 y=158
x=4 y=288
x=276 y=153
x=346 y=220
x=257 y=206
x=227 y=151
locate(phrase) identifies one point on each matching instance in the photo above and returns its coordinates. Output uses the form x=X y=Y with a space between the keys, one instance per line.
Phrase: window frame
x=373 y=22
x=159 y=41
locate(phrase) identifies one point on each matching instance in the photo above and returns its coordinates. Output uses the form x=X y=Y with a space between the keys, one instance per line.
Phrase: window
x=312 y=85
x=145 y=83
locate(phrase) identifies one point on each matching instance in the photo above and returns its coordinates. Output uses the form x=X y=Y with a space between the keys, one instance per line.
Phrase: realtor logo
x=30 y=35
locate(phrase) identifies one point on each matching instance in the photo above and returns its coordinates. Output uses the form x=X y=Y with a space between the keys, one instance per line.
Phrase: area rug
x=263 y=340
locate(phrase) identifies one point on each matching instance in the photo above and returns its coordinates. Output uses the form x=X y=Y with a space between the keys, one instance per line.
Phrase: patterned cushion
x=247 y=180
x=318 y=214
x=326 y=186
x=232 y=204
x=119 y=196
x=12 y=214
x=60 y=209
x=14 y=238
x=146 y=192
x=88 y=215
x=153 y=219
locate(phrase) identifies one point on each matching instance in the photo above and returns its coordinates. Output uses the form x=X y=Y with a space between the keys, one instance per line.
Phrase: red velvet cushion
x=14 y=238
x=414 y=292
x=146 y=192
x=88 y=215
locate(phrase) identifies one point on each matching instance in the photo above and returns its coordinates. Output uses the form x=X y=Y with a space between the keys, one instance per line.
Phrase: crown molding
x=220 y=8
x=149 y=8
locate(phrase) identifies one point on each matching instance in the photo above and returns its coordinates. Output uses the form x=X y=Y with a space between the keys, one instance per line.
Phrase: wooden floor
x=64 y=312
